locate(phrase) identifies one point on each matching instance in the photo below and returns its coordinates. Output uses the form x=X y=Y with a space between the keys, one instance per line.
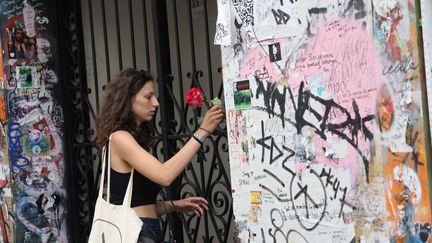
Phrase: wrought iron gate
x=172 y=39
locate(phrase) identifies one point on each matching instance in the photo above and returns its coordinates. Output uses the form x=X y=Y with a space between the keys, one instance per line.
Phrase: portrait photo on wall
x=275 y=52
x=19 y=45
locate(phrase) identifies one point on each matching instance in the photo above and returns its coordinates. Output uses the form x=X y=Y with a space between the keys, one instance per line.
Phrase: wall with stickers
x=32 y=190
x=325 y=120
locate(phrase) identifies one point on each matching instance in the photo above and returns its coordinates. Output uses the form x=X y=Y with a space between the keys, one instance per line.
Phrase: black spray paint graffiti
x=271 y=95
x=277 y=219
x=238 y=46
x=272 y=147
x=354 y=124
x=317 y=11
x=280 y=195
x=264 y=74
x=335 y=185
x=314 y=14
x=280 y=16
x=307 y=207
x=357 y=6
x=292 y=1
x=349 y=129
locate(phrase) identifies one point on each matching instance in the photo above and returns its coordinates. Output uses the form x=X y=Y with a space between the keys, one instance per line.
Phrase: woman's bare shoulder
x=123 y=139
x=121 y=134
x=123 y=144
x=126 y=149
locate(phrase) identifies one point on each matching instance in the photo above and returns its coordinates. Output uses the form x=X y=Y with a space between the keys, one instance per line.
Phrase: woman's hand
x=196 y=205
x=212 y=118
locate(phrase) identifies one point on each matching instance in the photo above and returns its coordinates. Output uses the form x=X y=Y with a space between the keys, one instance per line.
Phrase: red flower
x=194 y=98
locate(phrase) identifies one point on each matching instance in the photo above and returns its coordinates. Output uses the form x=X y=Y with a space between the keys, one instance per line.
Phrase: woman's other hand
x=195 y=205
x=212 y=118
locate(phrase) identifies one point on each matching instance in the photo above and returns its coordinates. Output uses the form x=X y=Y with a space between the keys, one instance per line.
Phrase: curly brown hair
x=116 y=112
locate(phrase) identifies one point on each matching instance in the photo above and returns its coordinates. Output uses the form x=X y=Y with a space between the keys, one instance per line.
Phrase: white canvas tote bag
x=114 y=223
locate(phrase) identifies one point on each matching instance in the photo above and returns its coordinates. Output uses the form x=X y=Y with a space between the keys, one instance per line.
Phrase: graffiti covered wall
x=324 y=120
x=6 y=223
x=32 y=172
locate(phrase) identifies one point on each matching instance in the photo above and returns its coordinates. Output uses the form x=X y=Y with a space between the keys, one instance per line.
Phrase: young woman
x=129 y=105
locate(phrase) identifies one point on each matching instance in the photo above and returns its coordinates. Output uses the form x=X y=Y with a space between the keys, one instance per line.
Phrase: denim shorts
x=151 y=231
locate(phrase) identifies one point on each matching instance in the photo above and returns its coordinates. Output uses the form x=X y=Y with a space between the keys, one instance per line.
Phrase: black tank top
x=144 y=191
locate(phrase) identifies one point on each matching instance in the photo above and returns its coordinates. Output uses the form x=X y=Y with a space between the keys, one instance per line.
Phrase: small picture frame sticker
x=242 y=95
x=26 y=77
x=275 y=52
x=255 y=197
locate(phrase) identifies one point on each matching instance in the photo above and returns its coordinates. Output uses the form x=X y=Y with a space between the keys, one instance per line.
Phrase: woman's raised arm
x=125 y=148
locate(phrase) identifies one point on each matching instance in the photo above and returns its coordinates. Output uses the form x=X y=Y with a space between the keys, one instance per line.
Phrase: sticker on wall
x=21 y=43
x=16 y=45
x=2 y=107
x=242 y=95
x=255 y=197
x=275 y=52
x=29 y=19
x=35 y=136
x=40 y=146
x=26 y=77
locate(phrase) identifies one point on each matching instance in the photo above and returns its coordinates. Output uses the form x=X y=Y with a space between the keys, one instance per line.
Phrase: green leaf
x=216 y=101
x=200 y=119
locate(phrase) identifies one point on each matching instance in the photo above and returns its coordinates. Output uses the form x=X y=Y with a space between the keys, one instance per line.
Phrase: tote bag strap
x=106 y=159
x=128 y=194
x=102 y=177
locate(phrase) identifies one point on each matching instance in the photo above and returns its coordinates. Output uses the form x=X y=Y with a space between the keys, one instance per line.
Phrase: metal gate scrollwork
x=207 y=175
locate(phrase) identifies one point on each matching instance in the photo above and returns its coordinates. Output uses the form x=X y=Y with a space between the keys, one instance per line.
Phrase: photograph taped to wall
x=275 y=52
x=26 y=77
x=242 y=95
x=20 y=45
